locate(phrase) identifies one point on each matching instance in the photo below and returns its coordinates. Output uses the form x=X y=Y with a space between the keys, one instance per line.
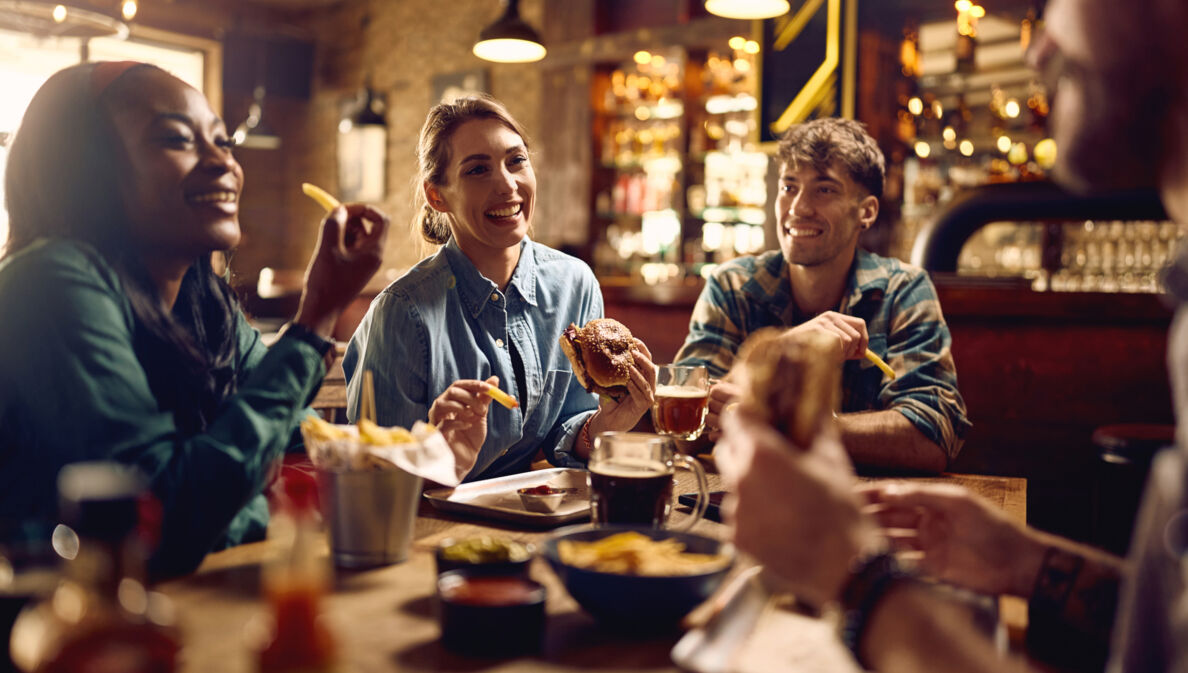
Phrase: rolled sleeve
x=714 y=331
x=918 y=345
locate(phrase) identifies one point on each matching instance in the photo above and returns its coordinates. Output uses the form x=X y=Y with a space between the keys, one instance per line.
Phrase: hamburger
x=792 y=381
x=601 y=355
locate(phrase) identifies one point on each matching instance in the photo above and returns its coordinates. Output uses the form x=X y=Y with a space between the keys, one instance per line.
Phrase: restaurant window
x=27 y=61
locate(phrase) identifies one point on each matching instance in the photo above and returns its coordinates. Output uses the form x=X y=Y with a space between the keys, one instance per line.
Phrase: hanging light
x=62 y=19
x=254 y=132
x=747 y=9
x=510 y=39
x=363 y=147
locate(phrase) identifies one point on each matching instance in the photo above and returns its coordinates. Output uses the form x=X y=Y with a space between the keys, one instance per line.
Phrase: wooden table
x=384 y=618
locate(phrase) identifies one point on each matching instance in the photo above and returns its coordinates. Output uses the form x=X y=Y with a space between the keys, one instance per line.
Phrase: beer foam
x=633 y=468
x=691 y=392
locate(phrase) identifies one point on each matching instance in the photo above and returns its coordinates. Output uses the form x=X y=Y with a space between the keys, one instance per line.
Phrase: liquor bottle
x=101 y=617
x=294 y=584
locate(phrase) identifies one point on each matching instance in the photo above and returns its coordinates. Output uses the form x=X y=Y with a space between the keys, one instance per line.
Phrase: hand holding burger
x=609 y=361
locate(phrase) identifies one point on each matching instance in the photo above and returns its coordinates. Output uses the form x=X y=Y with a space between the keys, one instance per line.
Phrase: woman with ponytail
x=120 y=341
x=486 y=310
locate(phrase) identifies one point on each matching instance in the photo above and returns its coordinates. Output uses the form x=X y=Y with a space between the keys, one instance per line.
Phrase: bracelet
x=867 y=585
x=584 y=436
x=324 y=347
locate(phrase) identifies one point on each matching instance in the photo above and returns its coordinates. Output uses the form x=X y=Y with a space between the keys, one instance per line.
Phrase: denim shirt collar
x=475 y=289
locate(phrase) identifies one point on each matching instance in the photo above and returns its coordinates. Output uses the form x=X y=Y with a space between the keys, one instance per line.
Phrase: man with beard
x=1120 y=120
x=831 y=179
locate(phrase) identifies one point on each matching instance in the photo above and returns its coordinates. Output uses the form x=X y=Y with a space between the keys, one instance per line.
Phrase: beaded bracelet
x=584 y=436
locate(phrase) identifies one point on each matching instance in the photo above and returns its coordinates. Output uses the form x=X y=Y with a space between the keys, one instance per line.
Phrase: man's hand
x=721 y=394
x=460 y=413
x=849 y=330
x=962 y=538
x=796 y=511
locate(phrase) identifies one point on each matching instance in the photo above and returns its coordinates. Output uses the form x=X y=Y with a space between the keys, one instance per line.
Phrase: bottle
x=294 y=584
x=101 y=617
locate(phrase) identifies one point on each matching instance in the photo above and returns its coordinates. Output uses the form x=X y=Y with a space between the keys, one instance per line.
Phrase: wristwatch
x=324 y=347
x=868 y=584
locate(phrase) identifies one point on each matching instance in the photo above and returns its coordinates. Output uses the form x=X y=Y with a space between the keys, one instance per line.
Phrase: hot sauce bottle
x=294 y=584
x=101 y=618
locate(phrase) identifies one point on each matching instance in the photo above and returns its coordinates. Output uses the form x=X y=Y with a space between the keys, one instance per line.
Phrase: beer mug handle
x=689 y=463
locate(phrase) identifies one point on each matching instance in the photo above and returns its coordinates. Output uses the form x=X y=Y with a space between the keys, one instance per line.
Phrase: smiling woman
x=121 y=341
x=487 y=309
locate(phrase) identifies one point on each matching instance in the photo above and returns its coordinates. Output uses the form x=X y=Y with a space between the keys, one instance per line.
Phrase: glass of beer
x=631 y=479
x=682 y=398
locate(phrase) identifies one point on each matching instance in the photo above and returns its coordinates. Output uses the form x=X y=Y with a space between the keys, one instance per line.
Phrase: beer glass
x=681 y=401
x=631 y=479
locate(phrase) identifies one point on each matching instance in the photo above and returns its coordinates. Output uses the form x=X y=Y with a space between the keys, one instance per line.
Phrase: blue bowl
x=638 y=601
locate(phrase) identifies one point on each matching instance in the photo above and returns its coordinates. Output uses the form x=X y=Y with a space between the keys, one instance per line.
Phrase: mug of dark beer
x=681 y=400
x=631 y=479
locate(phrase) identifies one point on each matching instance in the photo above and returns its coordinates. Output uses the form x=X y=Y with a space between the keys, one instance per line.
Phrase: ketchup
x=294 y=587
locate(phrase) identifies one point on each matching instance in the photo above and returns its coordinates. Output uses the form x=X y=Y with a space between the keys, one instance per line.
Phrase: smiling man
x=831 y=179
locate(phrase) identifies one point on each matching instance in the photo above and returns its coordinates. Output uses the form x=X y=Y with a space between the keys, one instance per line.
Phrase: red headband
x=107 y=72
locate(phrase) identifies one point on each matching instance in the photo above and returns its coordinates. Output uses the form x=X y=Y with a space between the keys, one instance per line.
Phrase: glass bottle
x=101 y=617
x=294 y=584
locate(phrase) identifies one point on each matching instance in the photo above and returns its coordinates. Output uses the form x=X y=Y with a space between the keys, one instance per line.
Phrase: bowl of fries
x=636 y=576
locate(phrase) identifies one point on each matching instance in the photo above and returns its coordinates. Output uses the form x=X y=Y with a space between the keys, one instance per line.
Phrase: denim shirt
x=444 y=321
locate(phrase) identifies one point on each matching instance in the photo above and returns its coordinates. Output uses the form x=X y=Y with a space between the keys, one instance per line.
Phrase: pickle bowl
x=484 y=555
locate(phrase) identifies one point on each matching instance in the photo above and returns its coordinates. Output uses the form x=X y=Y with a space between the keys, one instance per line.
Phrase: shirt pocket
x=556 y=382
x=550 y=402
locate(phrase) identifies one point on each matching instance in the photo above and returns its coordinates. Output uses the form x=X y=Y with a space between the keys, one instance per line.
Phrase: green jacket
x=72 y=388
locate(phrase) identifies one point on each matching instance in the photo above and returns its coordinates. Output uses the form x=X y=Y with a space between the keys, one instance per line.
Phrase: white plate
x=497 y=498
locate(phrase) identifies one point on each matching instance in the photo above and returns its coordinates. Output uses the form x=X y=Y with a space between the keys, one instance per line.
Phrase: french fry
x=502 y=398
x=320 y=429
x=371 y=433
x=320 y=195
x=878 y=362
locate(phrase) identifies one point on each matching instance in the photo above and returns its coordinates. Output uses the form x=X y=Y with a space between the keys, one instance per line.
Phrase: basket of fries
x=369 y=483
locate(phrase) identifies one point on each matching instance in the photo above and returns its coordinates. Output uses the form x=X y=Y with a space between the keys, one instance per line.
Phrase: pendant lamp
x=510 y=39
x=747 y=9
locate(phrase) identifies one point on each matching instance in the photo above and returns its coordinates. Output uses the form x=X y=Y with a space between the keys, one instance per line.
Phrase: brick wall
x=403 y=45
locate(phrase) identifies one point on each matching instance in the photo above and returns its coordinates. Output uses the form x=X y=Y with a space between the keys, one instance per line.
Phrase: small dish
x=487 y=615
x=544 y=499
x=484 y=555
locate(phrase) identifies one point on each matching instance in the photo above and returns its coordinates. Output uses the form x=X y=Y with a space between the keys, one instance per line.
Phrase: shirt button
x=499 y=343
x=494 y=296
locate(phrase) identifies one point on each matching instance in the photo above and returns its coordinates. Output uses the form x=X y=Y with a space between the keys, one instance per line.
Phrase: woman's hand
x=350 y=250
x=460 y=413
x=641 y=387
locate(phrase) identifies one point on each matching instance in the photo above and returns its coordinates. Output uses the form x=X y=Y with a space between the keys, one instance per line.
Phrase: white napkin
x=429 y=457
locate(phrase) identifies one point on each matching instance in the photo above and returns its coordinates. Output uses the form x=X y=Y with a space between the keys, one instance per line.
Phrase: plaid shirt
x=903 y=318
